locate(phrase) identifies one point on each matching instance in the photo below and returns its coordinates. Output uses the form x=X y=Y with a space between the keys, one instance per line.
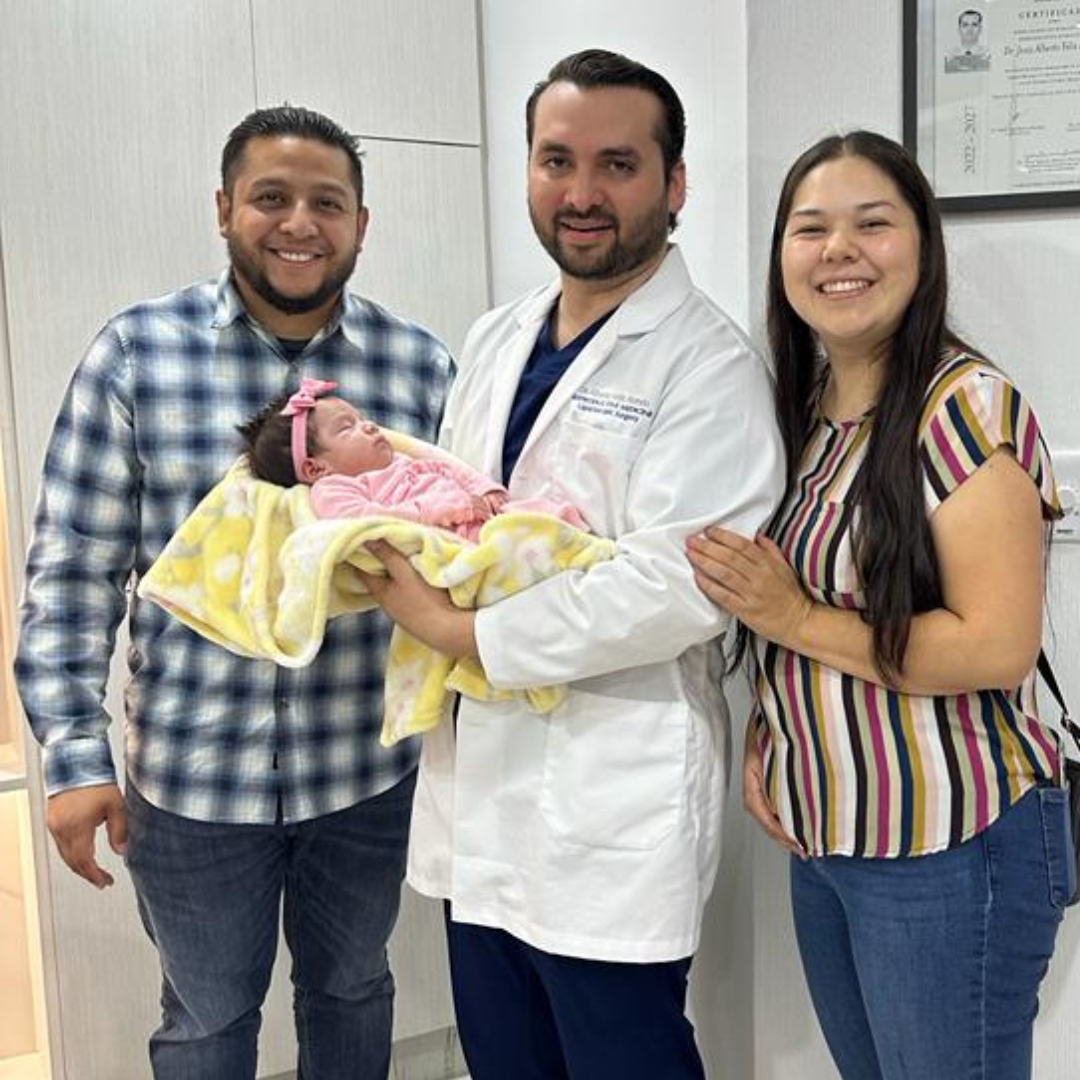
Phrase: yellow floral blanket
x=254 y=570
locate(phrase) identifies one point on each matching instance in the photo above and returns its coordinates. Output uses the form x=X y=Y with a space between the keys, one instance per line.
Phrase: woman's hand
x=426 y=612
x=755 y=799
x=752 y=580
x=988 y=542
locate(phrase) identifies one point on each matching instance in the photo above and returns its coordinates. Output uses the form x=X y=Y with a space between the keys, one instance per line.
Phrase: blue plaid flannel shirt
x=146 y=429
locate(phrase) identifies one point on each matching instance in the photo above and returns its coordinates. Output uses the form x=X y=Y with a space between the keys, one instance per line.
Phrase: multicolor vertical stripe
x=852 y=767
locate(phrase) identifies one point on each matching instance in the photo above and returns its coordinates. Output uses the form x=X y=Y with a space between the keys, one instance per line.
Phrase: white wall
x=1014 y=277
x=702 y=53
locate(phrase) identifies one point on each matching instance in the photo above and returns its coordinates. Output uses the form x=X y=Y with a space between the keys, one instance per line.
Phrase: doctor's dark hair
x=594 y=69
x=893 y=547
x=267 y=439
x=281 y=121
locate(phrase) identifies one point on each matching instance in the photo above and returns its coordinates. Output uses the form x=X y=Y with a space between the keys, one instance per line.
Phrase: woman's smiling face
x=850 y=256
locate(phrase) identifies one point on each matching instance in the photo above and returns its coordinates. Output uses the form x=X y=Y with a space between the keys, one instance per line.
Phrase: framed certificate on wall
x=992 y=100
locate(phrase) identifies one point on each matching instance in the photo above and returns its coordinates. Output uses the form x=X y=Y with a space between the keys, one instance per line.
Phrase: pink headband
x=300 y=404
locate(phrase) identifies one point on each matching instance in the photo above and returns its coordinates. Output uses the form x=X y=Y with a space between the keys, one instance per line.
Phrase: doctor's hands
x=756 y=799
x=426 y=612
x=73 y=817
x=752 y=580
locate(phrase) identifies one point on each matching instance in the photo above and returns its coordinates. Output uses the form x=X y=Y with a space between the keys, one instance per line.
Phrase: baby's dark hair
x=268 y=443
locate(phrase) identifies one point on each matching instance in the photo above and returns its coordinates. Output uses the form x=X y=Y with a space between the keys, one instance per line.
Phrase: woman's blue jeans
x=929 y=968
x=210 y=897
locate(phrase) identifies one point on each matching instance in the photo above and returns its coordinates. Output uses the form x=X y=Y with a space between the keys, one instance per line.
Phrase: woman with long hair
x=895 y=613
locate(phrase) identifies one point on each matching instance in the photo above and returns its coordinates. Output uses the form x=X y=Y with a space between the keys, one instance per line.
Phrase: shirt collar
x=643 y=310
x=352 y=316
x=229 y=307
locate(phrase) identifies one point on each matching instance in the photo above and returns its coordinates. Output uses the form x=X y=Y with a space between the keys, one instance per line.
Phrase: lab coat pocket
x=614 y=771
x=594 y=465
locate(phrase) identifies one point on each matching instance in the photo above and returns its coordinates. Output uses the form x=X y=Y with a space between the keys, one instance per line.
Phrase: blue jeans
x=209 y=896
x=929 y=968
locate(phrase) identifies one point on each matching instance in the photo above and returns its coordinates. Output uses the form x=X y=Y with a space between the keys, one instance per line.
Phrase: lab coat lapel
x=575 y=376
x=640 y=313
x=509 y=364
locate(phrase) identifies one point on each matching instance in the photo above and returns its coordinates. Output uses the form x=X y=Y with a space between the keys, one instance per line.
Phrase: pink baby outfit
x=428 y=491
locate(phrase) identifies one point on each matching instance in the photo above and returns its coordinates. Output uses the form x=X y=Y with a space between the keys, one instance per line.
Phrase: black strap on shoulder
x=1048 y=677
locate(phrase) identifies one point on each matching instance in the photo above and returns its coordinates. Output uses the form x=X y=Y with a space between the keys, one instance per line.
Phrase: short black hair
x=268 y=443
x=595 y=68
x=969 y=11
x=284 y=120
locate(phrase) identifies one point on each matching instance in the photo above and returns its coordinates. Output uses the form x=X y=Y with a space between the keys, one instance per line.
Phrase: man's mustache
x=592 y=217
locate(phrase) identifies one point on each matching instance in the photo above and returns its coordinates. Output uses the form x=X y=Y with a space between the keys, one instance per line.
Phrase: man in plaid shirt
x=246 y=782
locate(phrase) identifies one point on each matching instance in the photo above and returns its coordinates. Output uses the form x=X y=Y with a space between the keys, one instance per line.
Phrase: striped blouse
x=854 y=768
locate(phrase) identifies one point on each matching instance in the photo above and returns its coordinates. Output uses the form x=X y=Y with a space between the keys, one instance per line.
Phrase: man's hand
x=426 y=612
x=73 y=817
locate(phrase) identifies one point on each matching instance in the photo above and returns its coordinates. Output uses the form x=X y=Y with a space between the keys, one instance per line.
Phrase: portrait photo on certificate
x=992 y=100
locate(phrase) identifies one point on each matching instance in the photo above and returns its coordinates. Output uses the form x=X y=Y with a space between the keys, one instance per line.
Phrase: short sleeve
x=971 y=411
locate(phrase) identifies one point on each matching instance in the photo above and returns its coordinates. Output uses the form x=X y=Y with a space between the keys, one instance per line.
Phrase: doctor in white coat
x=576 y=850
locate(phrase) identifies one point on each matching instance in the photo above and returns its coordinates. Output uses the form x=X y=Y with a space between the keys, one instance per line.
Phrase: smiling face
x=294 y=228
x=599 y=199
x=348 y=444
x=850 y=256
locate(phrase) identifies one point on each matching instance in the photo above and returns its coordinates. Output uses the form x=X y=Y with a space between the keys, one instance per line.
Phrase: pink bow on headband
x=298 y=407
x=304 y=398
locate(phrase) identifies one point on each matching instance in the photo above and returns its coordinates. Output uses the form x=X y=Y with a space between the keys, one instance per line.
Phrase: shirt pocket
x=614 y=771
x=1058 y=843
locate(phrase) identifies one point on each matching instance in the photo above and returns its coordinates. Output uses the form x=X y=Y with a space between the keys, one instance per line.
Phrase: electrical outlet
x=1067 y=475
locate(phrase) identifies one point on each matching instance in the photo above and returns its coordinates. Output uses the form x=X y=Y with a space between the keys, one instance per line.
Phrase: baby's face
x=348 y=443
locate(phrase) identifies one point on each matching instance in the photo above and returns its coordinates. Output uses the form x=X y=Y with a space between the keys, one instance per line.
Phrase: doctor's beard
x=644 y=237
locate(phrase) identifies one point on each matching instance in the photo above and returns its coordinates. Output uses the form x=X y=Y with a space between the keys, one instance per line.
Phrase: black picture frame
x=919 y=115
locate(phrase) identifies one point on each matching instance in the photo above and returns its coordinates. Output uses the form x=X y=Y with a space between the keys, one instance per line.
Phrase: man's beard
x=646 y=238
x=288 y=305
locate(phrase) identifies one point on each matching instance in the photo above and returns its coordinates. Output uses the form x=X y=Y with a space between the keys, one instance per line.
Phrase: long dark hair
x=893 y=547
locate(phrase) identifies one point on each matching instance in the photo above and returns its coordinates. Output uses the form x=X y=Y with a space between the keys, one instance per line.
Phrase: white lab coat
x=594 y=831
